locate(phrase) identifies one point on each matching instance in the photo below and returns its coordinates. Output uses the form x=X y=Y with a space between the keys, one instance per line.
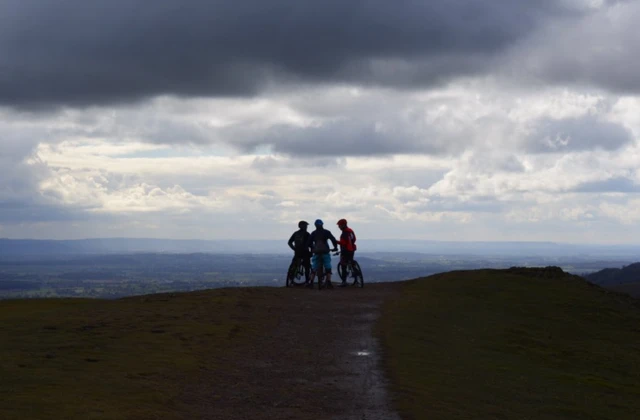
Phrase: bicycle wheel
x=358 y=279
x=343 y=272
x=291 y=273
x=299 y=277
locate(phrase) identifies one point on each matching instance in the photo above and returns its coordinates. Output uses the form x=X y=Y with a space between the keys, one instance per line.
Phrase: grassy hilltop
x=460 y=345
x=513 y=344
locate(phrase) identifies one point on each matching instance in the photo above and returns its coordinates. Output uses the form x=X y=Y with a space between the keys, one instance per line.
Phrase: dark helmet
x=342 y=222
x=318 y=222
x=302 y=224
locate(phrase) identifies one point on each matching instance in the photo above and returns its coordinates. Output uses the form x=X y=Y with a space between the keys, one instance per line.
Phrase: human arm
x=309 y=244
x=333 y=241
x=290 y=243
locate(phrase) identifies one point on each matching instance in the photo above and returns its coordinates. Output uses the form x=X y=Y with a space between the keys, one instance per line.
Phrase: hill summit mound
x=549 y=272
x=513 y=343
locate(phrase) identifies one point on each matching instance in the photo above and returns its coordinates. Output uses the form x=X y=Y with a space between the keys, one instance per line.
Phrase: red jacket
x=348 y=240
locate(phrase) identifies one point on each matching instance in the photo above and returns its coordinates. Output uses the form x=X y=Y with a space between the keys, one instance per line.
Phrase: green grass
x=129 y=358
x=492 y=344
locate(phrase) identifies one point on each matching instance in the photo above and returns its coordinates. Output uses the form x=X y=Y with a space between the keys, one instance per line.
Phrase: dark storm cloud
x=577 y=134
x=599 y=50
x=93 y=52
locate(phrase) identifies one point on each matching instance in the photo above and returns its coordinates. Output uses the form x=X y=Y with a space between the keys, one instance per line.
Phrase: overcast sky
x=417 y=119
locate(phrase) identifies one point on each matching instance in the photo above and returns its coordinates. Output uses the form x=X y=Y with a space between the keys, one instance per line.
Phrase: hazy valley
x=112 y=268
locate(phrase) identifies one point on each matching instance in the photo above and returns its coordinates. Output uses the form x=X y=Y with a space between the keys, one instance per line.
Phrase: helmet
x=342 y=222
x=302 y=223
x=318 y=222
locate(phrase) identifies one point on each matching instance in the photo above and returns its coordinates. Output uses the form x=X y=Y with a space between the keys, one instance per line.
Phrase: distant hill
x=610 y=277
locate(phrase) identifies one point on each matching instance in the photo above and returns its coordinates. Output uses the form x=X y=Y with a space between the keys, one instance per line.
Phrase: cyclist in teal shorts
x=319 y=244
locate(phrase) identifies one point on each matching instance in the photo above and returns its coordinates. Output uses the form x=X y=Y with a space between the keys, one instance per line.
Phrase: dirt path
x=320 y=362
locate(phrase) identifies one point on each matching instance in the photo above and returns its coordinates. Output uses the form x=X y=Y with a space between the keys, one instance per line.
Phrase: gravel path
x=320 y=362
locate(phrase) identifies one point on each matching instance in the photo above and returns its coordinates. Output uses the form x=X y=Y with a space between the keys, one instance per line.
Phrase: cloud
x=77 y=53
x=577 y=134
x=467 y=160
x=598 y=50
x=611 y=185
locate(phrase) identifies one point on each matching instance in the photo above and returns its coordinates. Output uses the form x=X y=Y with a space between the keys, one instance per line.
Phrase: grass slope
x=130 y=358
x=500 y=344
x=631 y=289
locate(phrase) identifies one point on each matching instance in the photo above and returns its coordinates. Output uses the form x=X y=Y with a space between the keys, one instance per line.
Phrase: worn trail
x=320 y=362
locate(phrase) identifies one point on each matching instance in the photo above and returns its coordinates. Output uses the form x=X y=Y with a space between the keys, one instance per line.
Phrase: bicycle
x=351 y=269
x=296 y=274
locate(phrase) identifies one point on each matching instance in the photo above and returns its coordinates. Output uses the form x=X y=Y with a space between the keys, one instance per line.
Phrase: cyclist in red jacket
x=347 y=245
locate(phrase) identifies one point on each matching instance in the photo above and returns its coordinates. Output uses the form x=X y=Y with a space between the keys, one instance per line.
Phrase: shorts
x=324 y=259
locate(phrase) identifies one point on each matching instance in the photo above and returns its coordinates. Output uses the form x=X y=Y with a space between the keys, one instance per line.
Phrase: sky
x=464 y=120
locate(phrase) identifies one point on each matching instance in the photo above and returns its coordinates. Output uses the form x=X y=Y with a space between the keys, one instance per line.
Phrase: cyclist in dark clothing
x=319 y=244
x=299 y=243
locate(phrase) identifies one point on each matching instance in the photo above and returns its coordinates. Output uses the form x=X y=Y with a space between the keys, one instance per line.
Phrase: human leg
x=346 y=257
x=306 y=261
x=326 y=261
x=314 y=266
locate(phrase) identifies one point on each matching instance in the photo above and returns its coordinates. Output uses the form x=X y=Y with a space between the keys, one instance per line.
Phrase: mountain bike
x=296 y=274
x=351 y=270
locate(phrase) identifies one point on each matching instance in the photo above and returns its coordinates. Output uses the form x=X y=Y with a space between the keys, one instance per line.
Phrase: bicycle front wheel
x=291 y=273
x=343 y=272
x=299 y=278
x=358 y=278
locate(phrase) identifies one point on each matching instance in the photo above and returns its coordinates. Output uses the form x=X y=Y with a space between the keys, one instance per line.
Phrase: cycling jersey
x=347 y=240
x=299 y=242
x=319 y=241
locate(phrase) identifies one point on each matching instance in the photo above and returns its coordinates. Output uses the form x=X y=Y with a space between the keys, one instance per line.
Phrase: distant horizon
x=284 y=240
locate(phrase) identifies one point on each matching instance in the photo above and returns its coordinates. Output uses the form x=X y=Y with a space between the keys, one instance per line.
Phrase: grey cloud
x=344 y=138
x=577 y=134
x=269 y=163
x=478 y=204
x=618 y=184
x=495 y=161
x=356 y=137
x=21 y=173
x=20 y=200
x=73 y=52
x=598 y=50
x=421 y=178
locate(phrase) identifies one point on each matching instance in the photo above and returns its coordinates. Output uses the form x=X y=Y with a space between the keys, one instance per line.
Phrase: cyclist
x=347 y=246
x=299 y=243
x=318 y=242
